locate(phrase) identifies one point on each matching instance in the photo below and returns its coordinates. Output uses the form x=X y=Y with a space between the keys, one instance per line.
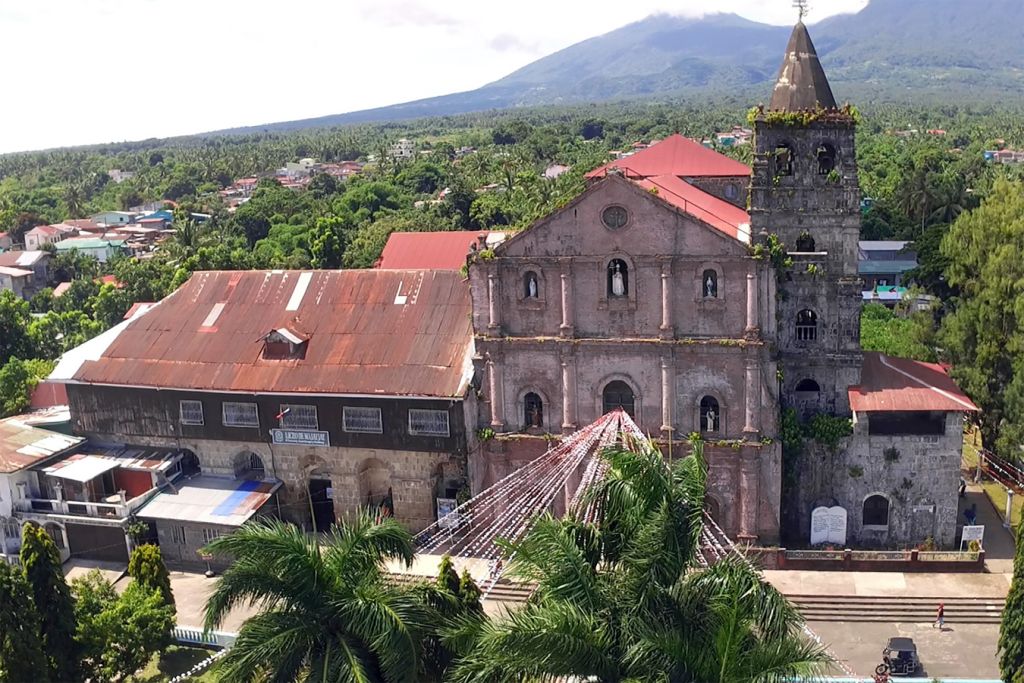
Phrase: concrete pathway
x=111 y=571
x=890 y=584
x=999 y=543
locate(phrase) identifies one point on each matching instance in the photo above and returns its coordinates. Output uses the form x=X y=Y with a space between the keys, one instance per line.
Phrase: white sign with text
x=828 y=525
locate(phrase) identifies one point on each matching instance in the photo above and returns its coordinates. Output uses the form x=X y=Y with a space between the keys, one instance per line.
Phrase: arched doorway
x=618 y=394
x=321 y=500
x=375 y=488
x=189 y=463
x=249 y=465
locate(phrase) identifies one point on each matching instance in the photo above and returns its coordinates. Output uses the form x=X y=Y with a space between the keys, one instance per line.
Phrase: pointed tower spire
x=801 y=83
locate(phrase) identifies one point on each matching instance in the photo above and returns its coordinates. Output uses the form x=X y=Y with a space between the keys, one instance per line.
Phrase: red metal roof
x=428 y=250
x=387 y=332
x=899 y=384
x=677 y=156
x=719 y=214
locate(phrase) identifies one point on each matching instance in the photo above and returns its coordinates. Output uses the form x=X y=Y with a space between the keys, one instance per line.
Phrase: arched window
x=709 y=284
x=806 y=325
x=710 y=414
x=531 y=285
x=533 y=410
x=805 y=243
x=618 y=278
x=617 y=394
x=807 y=386
x=876 y=511
x=783 y=159
x=826 y=158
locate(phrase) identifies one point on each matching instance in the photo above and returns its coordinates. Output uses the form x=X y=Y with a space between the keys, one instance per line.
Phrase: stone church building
x=659 y=291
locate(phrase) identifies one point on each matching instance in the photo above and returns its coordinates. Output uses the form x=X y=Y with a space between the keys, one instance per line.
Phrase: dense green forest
x=919 y=185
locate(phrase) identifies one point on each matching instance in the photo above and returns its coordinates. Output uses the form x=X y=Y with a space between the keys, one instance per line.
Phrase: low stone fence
x=874 y=560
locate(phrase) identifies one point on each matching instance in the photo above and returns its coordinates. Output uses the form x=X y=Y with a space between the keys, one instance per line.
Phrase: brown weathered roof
x=387 y=332
x=890 y=384
x=801 y=83
x=22 y=446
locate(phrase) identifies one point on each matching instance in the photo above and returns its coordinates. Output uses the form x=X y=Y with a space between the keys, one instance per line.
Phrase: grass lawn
x=176 y=660
x=995 y=491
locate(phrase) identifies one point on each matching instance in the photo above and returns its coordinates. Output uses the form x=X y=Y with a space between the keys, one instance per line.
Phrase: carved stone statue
x=531 y=287
x=618 y=282
x=710 y=288
x=711 y=420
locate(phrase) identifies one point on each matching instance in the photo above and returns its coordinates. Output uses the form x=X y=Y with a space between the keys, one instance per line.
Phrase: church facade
x=696 y=308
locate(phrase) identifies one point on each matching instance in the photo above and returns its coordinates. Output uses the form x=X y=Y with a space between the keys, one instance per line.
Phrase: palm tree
x=623 y=598
x=327 y=612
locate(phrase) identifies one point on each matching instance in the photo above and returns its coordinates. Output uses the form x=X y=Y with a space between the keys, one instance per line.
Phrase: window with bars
x=190 y=412
x=428 y=422
x=178 y=535
x=298 y=417
x=209 y=534
x=361 y=420
x=240 y=415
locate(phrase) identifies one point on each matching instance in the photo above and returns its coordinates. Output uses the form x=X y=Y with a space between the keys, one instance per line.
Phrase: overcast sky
x=89 y=71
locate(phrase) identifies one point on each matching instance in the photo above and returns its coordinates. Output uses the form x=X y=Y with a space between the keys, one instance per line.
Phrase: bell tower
x=804 y=192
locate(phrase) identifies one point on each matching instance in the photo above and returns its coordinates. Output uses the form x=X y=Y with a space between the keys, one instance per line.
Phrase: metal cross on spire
x=801 y=7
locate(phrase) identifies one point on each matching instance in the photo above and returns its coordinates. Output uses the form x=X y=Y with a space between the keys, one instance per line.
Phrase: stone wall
x=920 y=479
x=743 y=480
x=416 y=477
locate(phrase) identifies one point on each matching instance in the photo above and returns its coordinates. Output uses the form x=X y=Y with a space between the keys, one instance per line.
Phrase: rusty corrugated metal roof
x=387 y=332
x=22 y=445
x=901 y=385
x=431 y=250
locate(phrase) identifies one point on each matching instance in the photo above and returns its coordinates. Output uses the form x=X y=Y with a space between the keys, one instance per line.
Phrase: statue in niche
x=618 y=282
x=710 y=284
x=711 y=419
x=531 y=286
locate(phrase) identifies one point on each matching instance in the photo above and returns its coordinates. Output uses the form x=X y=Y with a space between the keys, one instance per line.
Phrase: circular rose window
x=614 y=217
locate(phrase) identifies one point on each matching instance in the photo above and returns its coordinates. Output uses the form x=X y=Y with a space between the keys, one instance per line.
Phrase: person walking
x=940 y=617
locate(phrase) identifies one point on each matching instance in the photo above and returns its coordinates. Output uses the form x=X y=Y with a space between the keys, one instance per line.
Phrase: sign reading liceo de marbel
x=300 y=437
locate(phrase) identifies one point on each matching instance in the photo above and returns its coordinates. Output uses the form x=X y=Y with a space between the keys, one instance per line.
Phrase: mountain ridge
x=891 y=49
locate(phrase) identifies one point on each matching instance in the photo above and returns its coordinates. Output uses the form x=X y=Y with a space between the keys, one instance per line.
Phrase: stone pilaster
x=568 y=395
x=666 y=330
x=667 y=380
x=493 y=310
x=752 y=396
x=497 y=395
x=749 y=496
x=566 y=328
x=753 y=325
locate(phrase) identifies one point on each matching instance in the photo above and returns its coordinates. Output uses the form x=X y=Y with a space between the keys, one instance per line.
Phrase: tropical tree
x=618 y=599
x=327 y=611
x=21 y=647
x=983 y=336
x=146 y=566
x=119 y=634
x=41 y=563
x=1011 y=632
